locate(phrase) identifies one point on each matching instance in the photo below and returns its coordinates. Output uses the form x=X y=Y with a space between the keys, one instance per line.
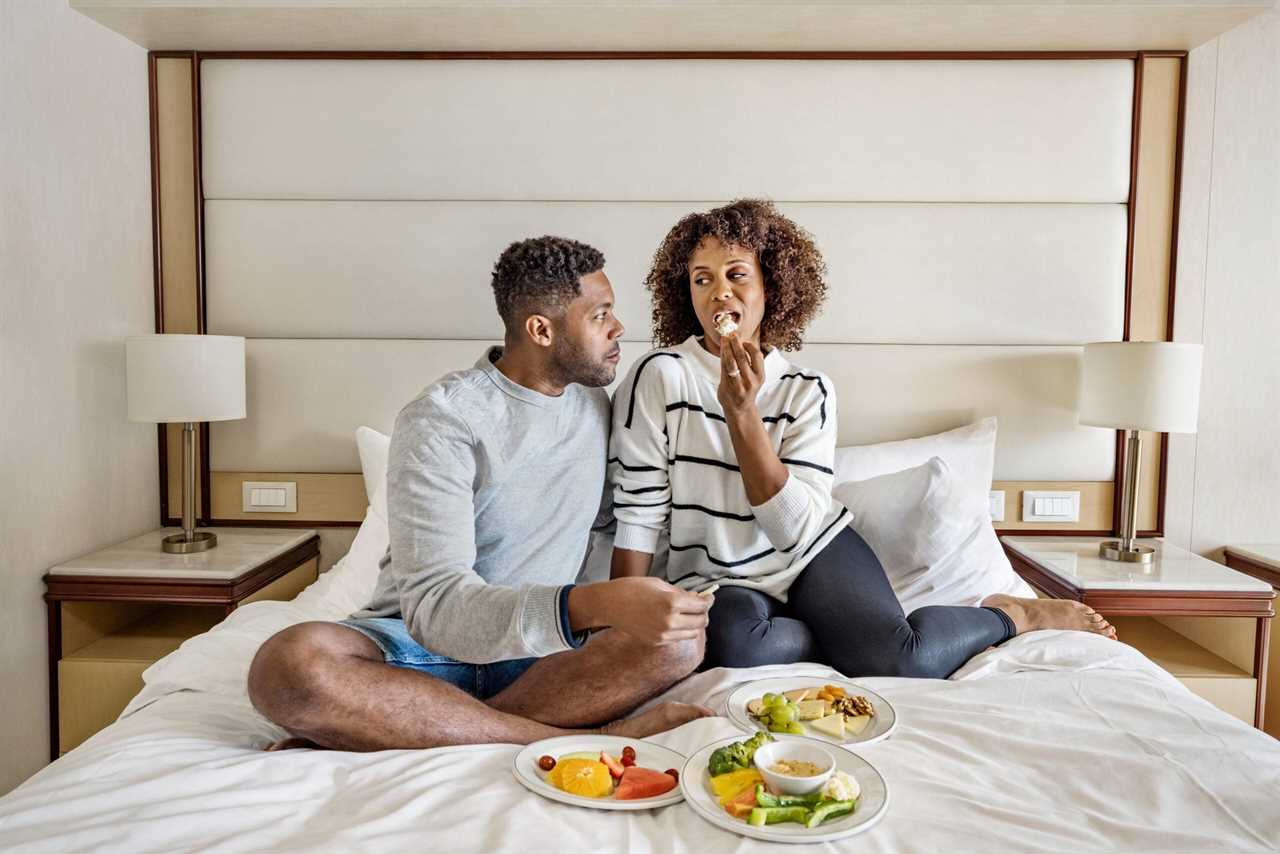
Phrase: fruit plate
x=654 y=756
x=881 y=726
x=695 y=782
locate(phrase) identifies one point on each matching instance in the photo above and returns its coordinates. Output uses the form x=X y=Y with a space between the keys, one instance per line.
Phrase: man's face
x=585 y=349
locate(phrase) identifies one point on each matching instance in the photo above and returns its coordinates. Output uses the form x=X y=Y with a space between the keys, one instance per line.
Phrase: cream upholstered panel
x=814 y=130
x=308 y=396
x=971 y=212
x=898 y=273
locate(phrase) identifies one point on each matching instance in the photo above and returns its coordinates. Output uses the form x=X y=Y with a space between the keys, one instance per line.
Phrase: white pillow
x=969 y=451
x=936 y=546
x=374 y=448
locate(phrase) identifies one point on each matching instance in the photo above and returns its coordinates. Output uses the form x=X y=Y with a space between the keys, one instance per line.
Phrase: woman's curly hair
x=794 y=272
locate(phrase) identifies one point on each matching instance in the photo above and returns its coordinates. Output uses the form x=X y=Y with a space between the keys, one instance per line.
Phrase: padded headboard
x=973 y=213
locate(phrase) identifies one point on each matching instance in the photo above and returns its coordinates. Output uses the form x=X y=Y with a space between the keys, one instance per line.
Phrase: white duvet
x=1056 y=741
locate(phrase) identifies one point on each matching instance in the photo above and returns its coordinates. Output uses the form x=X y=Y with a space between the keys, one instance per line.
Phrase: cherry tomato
x=546 y=763
x=673 y=773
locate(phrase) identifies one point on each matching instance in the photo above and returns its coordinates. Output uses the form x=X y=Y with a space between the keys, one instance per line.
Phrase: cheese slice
x=813 y=709
x=832 y=725
x=856 y=724
x=800 y=694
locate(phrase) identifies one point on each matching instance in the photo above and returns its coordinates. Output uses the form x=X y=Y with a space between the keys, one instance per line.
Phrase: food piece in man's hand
x=710 y=591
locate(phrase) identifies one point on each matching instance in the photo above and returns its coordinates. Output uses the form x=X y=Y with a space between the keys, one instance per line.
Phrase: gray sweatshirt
x=492 y=490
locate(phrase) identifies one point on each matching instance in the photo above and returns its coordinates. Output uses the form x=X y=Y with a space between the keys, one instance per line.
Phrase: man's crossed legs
x=330 y=685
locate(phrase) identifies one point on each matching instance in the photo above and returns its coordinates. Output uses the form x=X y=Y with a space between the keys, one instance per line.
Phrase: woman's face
x=726 y=279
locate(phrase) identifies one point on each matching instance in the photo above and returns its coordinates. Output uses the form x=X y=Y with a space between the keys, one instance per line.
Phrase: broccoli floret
x=736 y=756
x=724 y=760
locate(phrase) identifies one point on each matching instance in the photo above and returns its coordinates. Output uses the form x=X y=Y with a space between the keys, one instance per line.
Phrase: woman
x=725 y=449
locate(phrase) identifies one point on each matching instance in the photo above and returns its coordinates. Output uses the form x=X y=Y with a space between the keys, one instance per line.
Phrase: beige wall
x=75 y=274
x=1224 y=482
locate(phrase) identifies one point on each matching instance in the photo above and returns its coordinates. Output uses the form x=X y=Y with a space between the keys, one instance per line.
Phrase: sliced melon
x=582 y=754
x=800 y=694
x=832 y=725
x=811 y=710
x=856 y=724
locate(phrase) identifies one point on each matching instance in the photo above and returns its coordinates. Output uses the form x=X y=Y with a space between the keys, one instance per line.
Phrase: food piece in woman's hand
x=725 y=324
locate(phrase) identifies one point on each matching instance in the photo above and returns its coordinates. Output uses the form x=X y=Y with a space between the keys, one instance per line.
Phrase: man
x=476 y=632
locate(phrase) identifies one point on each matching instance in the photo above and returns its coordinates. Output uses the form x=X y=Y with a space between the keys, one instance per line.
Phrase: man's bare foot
x=658 y=719
x=1031 y=615
x=290 y=743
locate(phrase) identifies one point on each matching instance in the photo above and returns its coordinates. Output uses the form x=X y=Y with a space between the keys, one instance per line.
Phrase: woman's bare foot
x=290 y=743
x=660 y=718
x=1031 y=615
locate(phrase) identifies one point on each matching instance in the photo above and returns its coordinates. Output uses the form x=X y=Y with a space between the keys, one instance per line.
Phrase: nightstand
x=1177 y=584
x=1262 y=561
x=115 y=612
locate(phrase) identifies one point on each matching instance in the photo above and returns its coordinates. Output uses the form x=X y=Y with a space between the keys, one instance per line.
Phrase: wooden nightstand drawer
x=98 y=680
x=1206 y=675
x=1166 y=610
x=109 y=623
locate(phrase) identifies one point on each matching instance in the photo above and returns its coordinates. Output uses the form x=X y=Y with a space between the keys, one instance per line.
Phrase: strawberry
x=614 y=766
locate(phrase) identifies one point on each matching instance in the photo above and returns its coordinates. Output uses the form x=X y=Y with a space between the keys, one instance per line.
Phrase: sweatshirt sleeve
x=794 y=515
x=638 y=461
x=446 y=606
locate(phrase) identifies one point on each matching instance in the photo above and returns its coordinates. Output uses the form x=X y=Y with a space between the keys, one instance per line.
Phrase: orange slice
x=584 y=777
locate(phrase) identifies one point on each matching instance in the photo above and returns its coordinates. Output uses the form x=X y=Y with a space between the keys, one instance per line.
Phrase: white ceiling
x=673 y=25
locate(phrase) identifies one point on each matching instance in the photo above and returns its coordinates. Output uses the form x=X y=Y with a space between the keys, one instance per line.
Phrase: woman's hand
x=741 y=375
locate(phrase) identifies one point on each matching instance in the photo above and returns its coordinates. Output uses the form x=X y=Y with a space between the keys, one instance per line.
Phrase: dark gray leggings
x=842 y=611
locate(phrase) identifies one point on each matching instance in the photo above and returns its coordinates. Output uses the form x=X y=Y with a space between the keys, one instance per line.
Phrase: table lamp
x=185 y=379
x=1132 y=386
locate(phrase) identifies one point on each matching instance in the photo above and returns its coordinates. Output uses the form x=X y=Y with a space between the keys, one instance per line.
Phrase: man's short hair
x=540 y=276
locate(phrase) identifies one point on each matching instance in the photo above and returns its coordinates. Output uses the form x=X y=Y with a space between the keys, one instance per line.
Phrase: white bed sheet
x=1056 y=741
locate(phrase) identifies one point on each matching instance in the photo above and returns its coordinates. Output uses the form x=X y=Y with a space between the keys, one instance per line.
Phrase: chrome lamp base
x=1126 y=548
x=1114 y=550
x=178 y=544
x=190 y=540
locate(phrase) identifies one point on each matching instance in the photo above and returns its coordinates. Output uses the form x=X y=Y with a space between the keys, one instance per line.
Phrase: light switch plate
x=1047 y=506
x=269 y=497
x=995 y=499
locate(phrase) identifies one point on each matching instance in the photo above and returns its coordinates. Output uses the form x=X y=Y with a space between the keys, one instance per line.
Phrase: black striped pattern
x=716 y=416
x=631 y=406
x=822 y=411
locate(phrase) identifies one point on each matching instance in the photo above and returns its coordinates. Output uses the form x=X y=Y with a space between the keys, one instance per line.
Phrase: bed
x=1054 y=741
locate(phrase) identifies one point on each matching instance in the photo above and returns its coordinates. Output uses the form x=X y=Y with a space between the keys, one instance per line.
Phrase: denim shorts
x=481 y=681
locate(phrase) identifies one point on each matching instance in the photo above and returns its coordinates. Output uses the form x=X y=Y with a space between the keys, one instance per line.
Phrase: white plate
x=657 y=757
x=881 y=726
x=695 y=782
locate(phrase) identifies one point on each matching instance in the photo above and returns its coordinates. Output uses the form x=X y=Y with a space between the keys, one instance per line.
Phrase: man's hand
x=648 y=609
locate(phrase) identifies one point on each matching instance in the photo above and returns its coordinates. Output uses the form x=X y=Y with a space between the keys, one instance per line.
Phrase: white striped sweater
x=675 y=476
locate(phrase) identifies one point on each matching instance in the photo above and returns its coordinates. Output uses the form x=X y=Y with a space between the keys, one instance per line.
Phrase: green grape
x=773 y=700
x=782 y=714
x=794 y=728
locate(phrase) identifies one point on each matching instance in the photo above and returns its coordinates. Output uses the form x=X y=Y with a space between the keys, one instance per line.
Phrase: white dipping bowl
x=785 y=784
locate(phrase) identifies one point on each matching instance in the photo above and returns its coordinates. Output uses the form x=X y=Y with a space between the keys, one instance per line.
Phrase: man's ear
x=538 y=327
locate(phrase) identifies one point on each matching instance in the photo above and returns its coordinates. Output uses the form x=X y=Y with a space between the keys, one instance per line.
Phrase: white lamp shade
x=177 y=378
x=1141 y=385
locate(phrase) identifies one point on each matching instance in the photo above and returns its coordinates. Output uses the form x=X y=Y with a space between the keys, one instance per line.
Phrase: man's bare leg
x=1030 y=615
x=601 y=682
x=329 y=684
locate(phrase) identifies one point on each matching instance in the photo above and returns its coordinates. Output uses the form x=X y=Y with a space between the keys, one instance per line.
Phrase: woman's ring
x=735 y=373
